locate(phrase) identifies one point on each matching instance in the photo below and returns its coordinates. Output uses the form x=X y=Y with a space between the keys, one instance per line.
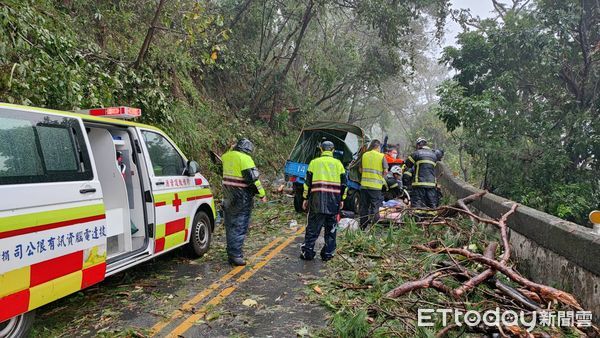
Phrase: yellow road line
x=201 y=295
x=189 y=322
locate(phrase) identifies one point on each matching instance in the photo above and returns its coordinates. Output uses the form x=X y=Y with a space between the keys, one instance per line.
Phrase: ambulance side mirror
x=192 y=168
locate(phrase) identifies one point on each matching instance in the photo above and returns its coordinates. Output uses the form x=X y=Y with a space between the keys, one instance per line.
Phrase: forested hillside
x=209 y=72
x=519 y=114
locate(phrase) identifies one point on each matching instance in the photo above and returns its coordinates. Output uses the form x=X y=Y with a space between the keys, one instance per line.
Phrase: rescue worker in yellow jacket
x=373 y=170
x=240 y=184
x=324 y=194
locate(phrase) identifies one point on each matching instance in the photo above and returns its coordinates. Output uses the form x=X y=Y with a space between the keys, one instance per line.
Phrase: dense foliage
x=526 y=102
x=521 y=109
x=209 y=72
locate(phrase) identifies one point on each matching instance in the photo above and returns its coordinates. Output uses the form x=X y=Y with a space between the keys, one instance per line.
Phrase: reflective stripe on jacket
x=325 y=184
x=407 y=175
x=372 y=170
x=239 y=172
x=424 y=162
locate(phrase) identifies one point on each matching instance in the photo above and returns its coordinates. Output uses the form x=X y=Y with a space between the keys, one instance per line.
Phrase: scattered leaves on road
x=250 y=302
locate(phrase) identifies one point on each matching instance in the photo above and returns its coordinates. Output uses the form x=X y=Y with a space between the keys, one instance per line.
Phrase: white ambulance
x=82 y=197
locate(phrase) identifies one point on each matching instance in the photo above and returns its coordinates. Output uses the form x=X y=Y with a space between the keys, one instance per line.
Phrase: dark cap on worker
x=327 y=146
x=245 y=145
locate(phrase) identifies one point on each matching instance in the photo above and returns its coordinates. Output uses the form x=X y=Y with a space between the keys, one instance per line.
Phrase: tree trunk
x=308 y=14
x=240 y=12
x=461 y=161
x=144 y=50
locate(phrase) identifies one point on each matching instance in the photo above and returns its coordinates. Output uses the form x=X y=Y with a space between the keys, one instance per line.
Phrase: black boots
x=237 y=261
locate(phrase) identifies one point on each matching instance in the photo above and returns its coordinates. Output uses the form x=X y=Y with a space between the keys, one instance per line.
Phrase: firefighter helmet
x=245 y=145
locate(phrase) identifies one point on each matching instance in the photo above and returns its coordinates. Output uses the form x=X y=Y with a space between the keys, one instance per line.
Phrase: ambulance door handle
x=86 y=191
x=160 y=183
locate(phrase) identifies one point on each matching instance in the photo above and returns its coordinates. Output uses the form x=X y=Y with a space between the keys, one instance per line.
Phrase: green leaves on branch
x=523 y=95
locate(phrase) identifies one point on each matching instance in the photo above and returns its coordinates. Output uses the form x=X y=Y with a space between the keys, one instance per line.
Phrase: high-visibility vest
x=372 y=170
x=326 y=175
x=234 y=164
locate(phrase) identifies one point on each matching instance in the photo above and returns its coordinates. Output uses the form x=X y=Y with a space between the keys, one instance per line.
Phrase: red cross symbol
x=176 y=203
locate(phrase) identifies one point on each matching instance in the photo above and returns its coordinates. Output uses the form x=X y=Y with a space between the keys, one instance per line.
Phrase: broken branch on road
x=464 y=263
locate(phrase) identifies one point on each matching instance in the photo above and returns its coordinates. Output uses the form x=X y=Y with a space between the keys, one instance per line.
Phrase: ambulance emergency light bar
x=113 y=112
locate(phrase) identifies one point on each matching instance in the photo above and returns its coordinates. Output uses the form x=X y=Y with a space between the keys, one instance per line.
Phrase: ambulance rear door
x=52 y=220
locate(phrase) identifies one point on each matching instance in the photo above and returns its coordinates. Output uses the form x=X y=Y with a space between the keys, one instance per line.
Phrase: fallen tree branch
x=489 y=253
x=546 y=292
x=480 y=278
x=524 y=297
x=407 y=287
x=452 y=210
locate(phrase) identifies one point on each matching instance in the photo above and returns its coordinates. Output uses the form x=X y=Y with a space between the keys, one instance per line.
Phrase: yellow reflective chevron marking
x=57 y=288
x=48 y=217
x=14 y=281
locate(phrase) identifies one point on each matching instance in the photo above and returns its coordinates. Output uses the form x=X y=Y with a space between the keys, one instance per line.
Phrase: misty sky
x=482 y=8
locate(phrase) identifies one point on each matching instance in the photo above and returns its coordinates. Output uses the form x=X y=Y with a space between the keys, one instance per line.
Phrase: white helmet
x=396 y=170
x=421 y=141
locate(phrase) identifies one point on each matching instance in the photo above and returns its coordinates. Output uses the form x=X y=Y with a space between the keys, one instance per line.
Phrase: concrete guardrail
x=546 y=248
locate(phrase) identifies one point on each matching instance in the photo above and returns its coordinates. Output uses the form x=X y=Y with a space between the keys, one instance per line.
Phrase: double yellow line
x=188 y=306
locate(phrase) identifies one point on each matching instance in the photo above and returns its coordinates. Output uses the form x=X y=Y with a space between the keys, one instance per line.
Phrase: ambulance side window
x=165 y=159
x=36 y=148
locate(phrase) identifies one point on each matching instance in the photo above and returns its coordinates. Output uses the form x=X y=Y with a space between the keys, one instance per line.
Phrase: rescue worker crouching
x=240 y=184
x=324 y=194
x=424 y=185
x=393 y=187
x=373 y=168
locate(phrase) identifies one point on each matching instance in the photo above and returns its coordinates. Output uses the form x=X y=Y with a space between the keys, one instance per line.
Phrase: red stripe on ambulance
x=193 y=198
x=18 y=232
x=13 y=305
x=56 y=267
x=159 y=245
x=93 y=275
x=174 y=226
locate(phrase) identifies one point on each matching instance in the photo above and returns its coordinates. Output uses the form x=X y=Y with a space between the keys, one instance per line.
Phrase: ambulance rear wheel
x=201 y=234
x=18 y=326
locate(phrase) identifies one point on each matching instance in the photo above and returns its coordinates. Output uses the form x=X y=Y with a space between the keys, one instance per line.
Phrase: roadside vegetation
x=369 y=265
x=524 y=103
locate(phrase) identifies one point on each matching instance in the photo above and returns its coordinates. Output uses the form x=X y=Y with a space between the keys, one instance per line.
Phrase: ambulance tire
x=18 y=326
x=201 y=235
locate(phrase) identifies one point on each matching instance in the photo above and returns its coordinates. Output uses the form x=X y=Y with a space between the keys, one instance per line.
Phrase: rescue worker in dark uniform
x=393 y=187
x=407 y=176
x=324 y=194
x=240 y=184
x=373 y=169
x=424 y=186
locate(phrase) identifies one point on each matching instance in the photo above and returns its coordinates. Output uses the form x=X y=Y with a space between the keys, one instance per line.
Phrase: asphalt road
x=174 y=295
